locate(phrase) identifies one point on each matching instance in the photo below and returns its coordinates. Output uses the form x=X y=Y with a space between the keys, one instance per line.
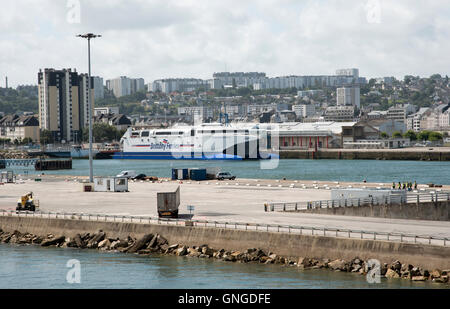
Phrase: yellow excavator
x=27 y=203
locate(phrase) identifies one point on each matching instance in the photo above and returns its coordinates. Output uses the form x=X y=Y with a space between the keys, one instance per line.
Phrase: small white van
x=127 y=174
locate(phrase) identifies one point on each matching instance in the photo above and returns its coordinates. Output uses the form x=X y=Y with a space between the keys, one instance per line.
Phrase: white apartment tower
x=349 y=96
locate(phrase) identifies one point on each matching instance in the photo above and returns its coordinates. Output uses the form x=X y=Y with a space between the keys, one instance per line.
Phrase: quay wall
x=285 y=244
x=439 y=211
x=339 y=154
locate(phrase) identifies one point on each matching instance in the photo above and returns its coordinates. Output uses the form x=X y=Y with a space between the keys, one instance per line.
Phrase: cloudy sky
x=194 y=38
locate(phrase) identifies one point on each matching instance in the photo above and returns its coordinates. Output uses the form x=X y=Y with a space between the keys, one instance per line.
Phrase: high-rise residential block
x=99 y=88
x=123 y=86
x=63 y=103
x=349 y=96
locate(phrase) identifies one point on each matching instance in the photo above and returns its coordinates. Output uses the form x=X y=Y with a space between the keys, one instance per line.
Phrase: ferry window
x=192 y=132
x=145 y=134
x=180 y=133
x=161 y=133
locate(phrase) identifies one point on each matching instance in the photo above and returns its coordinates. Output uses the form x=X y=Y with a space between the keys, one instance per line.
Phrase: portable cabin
x=111 y=184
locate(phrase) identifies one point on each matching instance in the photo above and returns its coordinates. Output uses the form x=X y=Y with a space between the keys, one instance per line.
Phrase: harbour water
x=321 y=170
x=27 y=267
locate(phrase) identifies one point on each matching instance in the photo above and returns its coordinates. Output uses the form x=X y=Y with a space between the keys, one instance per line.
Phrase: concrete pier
x=293 y=245
x=213 y=201
x=405 y=154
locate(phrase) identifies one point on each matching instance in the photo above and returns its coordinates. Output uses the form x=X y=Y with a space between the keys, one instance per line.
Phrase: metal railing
x=410 y=198
x=289 y=229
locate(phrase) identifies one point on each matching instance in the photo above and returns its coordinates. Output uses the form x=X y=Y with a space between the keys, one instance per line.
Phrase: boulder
x=114 y=245
x=390 y=273
x=85 y=236
x=182 y=251
x=172 y=247
x=273 y=256
x=161 y=241
x=194 y=252
x=207 y=251
x=405 y=274
x=104 y=244
x=153 y=242
x=415 y=272
x=236 y=254
x=442 y=279
x=356 y=268
x=37 y=240
x=397 y=266
x=164 y=248
x=435 y=274
x=140 y=244
x=229 y=258
x=53 y=242
x=93 y=242
x=79 y=241
x=419 y=278
x=337 y=265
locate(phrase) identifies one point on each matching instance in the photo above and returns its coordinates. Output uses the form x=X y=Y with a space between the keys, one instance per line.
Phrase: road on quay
x=212 y=202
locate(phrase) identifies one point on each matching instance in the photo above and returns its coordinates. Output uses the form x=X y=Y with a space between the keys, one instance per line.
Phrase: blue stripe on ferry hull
x=170 y=156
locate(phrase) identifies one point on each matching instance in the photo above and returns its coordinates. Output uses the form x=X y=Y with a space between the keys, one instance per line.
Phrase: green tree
x=411 y=135
x=46 y=137
x=397 y=134
x=435 y=136
x=384 y=135
x=101 y=133
x=27 y=140
x=424 y=135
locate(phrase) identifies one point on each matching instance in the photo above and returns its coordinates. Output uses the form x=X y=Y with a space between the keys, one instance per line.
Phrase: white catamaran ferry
x=202 y=142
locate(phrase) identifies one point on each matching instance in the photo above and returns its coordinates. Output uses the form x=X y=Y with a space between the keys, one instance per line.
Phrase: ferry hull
x=174 y=156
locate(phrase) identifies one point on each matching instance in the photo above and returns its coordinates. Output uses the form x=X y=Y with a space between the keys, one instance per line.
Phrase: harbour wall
x=340 y=154
x=293 y=245
x=438 y=211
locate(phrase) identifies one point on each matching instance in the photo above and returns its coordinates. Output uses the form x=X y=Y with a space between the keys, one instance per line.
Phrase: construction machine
x=27 y=203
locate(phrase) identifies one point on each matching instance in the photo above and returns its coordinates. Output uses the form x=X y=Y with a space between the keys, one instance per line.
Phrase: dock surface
x=214 y=201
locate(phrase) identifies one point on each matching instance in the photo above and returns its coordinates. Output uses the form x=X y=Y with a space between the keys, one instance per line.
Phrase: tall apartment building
x=123 y=86
x=99 y=89
x=201 y=111
x=340 y=113
x=178 y=84
x=348 y=72
x=349 y=96
x=414 y=121
x=401 y=112
x=310 y=93
x=63 y=103
x=304 y=110
x=238 y=79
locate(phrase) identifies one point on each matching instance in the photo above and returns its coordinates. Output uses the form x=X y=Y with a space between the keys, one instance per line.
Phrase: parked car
x=127 y=174
x=140 y=177
x=225 y=175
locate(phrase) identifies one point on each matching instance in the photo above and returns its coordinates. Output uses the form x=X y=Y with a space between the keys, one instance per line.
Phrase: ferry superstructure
x=202 y=142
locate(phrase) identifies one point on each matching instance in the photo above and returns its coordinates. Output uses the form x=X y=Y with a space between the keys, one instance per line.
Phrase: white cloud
x=180 y=38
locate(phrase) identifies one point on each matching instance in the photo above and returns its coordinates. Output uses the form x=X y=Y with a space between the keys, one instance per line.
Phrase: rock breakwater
x=157 y=244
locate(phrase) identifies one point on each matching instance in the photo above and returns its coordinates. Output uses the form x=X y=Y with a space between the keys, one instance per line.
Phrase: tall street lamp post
x=90 y=36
